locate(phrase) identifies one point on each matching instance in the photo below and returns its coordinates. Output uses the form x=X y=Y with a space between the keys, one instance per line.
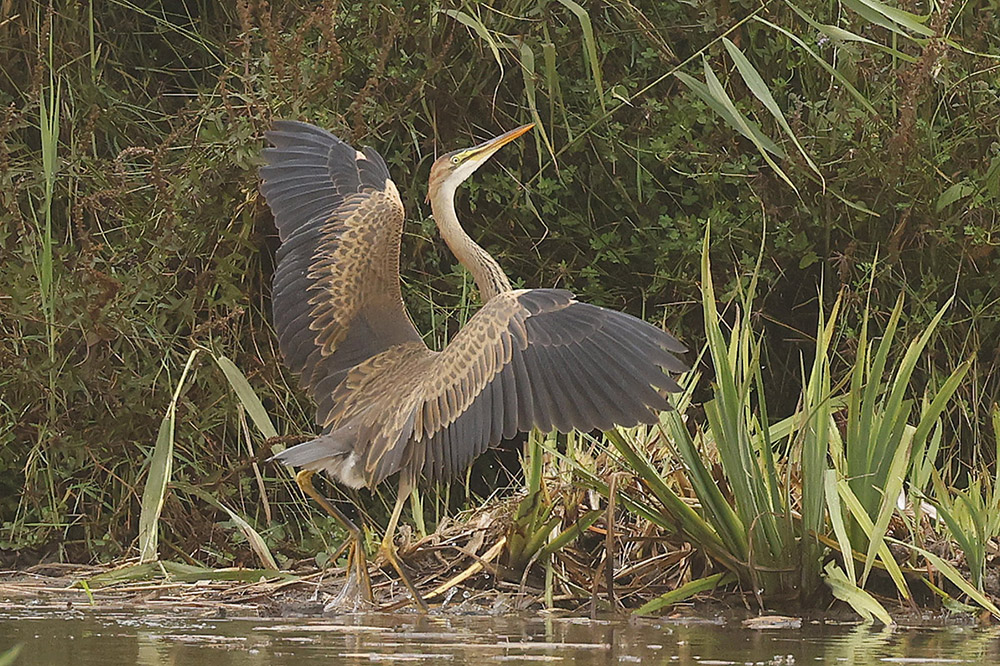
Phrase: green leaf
x=9 y=657
x=555 y=90
x=953 y=575
x=837 y=521
x=528 y=74
x=590 y=46
x=949 y=602
x=686 y=591
x=959 y=190
x=871 y=9
x=839 y=34
x=569 y=534
x=154 y=492
x=863 y=603
x=891 y=490
x=251 y=403
x=254 y=538
x=991 y=179
x=835 y=73
x=930 y=414
x=717 y=91
x=177 y=571
x=160 y=468
x=480 y=29
x=884 y=554
x=748 y=129
x=688 y=519
x=760 y=90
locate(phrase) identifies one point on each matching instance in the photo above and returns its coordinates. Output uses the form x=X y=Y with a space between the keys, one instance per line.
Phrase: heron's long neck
x=490 y=278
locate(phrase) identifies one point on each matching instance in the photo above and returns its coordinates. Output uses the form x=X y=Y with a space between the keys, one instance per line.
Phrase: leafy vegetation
x=846 y=155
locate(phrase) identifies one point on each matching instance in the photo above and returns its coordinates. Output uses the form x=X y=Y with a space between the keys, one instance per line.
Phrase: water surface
x=76 y=637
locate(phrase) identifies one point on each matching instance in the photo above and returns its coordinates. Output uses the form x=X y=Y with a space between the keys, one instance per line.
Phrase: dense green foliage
x=136 y=234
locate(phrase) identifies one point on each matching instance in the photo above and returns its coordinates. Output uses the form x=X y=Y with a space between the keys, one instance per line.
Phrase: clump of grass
x=774 y=511
x=972 y=515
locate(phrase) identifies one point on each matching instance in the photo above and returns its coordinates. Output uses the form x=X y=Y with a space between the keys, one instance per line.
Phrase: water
x=74 y=637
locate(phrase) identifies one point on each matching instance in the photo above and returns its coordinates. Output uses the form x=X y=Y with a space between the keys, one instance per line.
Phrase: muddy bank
x=66 y=589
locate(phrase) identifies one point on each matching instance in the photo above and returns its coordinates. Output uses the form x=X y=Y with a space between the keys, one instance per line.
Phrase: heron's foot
x=387 y=551
x=355 y=595
x=357 y=569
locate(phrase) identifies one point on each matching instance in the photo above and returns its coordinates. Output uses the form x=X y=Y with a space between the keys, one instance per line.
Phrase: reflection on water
x=84 y=637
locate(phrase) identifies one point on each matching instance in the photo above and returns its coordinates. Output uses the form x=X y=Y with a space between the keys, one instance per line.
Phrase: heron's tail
x=332 y=452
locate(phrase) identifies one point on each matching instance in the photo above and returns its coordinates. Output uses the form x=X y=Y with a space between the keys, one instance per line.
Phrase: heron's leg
x=388 y=548
x=356 y=555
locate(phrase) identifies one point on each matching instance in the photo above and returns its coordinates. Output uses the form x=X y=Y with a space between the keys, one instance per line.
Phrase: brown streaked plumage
x=387 y=404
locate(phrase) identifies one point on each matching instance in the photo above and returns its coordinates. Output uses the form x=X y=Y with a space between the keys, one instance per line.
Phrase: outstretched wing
x=336 y=295
x=539 y=358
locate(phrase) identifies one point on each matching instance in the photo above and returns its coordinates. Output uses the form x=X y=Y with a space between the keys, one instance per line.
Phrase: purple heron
x=386 y=403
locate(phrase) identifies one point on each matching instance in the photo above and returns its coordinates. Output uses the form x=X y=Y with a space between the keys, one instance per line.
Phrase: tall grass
x=49 y=109
x=161 y=463
x=877 y=450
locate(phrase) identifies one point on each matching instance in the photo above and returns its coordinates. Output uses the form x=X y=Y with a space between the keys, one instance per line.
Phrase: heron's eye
x=454 y=159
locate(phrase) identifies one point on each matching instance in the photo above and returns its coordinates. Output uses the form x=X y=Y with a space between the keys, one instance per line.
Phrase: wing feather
x=539 y=358
x=496 y=404
x=604 y=383
x=510 y=408
x=574 y=406
x=336 y=295
x=549 y=415
x=522 y=390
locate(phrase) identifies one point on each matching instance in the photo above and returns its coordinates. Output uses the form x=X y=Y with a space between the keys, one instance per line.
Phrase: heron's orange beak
x=487 y=148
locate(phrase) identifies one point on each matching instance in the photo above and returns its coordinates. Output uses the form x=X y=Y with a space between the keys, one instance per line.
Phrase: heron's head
x=450 y=170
